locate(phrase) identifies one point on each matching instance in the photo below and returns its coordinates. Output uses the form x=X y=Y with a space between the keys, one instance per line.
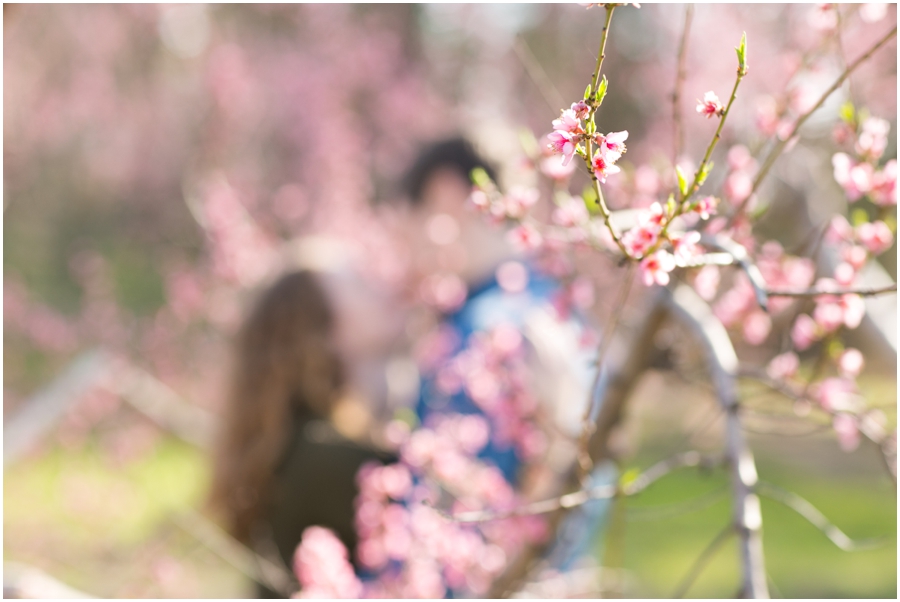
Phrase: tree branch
x=577 y=498
x=812 y=514
x=722 y=361
x=779 y=148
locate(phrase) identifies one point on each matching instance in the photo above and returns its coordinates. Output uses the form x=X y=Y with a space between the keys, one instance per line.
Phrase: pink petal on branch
x=710 y=105
x=876 y=236
x=805 y=332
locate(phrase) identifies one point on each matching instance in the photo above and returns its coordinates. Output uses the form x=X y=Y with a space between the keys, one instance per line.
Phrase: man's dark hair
x=455 y=154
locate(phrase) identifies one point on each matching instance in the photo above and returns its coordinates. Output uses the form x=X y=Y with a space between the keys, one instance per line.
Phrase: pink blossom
x=570 y=212
x=640 y=238
x=884 y=185
x=873 y=139
x=603 y=167
x=553 y=169
x=479 y=199
x=805 y=332
x=737 y=186
x=855 y=256
x=685 y=246
x=767 y=115
x=839 y=230
x=842 y=133
x=851 y=362
x=854 y=309
x=612 y=145
x=872 y=12
x=876 y=236
x=757 y=326
x=581 y=292
x=855 y=178
x=844 y=274
x=581 y=109
x=823 y=17
x=739 y=158
x=706 y=282
x=847 y=431
x=568 y=122
x=783 y=366
x=519 y=200
x=563 y=143
x=656 y=268
x=322 y=567
x=710 y=105
x=706 y=206
x=835 y=393
x=525 y=237
x=828 y=316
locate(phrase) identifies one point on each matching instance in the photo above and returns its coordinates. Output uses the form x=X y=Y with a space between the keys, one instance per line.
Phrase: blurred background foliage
x=118 y=116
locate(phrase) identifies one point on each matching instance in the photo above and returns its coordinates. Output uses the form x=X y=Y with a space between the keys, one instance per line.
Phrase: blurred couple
x=323 y=363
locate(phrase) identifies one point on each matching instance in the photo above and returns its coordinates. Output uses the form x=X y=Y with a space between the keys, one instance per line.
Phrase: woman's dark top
x=315 y=484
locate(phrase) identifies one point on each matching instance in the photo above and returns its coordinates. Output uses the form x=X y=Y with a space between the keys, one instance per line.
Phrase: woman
x=280 y=465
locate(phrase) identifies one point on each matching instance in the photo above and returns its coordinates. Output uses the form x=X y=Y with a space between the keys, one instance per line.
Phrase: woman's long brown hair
x=285 y=366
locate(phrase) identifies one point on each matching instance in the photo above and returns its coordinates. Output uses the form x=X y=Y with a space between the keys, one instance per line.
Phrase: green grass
x=800 y=560
x=105 y=529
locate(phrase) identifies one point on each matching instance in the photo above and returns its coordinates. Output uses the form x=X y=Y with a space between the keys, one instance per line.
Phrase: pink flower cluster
x=415 y=551
x=739 y=179
x=645 y=236
x=569 y=132
x=862 y=176
x=837 y=395
x=739 y=306
x=492 y=370
x=322 y=567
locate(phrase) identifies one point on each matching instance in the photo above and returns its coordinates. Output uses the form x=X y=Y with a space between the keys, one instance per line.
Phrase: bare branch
x=812 y=514
x=538 y=75
x=577 y=498
x=742 y=259
x=236 y=554
x=862 y=292
x=722 y=361
x=779 y=148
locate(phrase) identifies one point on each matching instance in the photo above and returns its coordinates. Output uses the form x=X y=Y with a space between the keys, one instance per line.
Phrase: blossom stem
x=695 y=184
x=601 y=54
x=589 y=147
x=779 y=148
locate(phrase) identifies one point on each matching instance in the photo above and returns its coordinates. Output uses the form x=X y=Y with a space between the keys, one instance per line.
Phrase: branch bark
x=722 y=362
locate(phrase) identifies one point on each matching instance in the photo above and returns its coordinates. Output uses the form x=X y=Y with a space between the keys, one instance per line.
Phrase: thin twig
x=537 y=74
x=678 y=133
x=814 y=516
x=862 y=292
x=235 y=553
x=779 y=148
x=742 y=260
x=582 y=496
x=702 y=560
